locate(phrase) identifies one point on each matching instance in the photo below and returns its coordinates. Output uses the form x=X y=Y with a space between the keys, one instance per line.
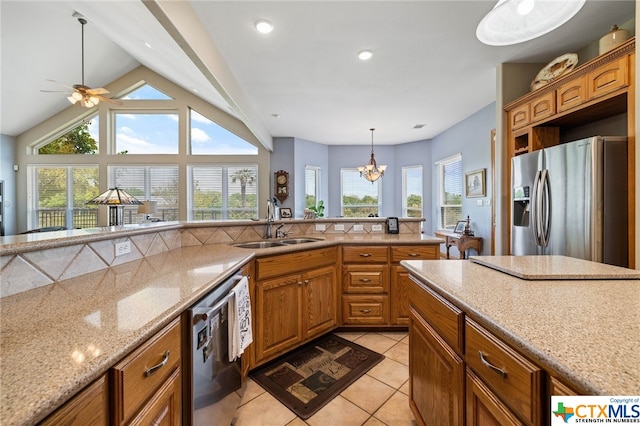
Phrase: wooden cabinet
x=571 y=94
x=89 y=407
x=436 y=370
x=399 y=289
x=293 y=308
x=543 y=106
x=365 y=285
x=519 y=117
x=146 y=384
x=608 y=78
x=483 y=407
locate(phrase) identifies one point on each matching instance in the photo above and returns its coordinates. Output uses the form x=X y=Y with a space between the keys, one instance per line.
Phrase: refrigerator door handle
x=545 y=220
x=535 y=209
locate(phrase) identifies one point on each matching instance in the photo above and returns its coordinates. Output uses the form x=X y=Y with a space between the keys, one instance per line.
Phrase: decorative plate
x=554 y=69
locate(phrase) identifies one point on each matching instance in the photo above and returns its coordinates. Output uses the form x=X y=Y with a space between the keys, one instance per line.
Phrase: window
x=82 y=139
x=209 y=138
x=359 y=197
x=449 y=191
x=311 y=186
x=222 y=192
x=146 y=133
x=155 y=183
x=412 y=191
x=60 y=194
x=146 y=92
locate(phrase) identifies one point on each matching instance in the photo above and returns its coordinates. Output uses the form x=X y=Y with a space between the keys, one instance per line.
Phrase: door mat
x=306 y=379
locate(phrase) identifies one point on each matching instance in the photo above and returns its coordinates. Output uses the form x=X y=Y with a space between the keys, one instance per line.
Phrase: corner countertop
x=585 y=331
x=57 y=339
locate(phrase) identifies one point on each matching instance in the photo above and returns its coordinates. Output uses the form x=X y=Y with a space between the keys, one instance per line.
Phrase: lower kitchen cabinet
x=89 y=407
x=436 y=376
x=294 y=308
x=484 y=408
x=146 y=386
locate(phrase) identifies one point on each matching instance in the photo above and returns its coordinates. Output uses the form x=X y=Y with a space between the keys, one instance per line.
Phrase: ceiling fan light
x=72 y=99
x=94 y=100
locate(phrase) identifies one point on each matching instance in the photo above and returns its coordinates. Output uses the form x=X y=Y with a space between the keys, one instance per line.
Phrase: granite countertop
x=585 y=331
x=57 y=339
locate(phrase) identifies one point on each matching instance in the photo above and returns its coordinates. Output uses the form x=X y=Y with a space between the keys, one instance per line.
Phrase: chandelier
x=372 y=172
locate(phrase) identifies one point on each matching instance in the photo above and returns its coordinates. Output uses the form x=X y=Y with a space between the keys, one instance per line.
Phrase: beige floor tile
x=399 y=352
x=264 y=410
x=251 y=391
x=396 y=411
x=405 y=340
x=339 y=412
x=395 y=335
x=376 y=342
x=297 y=422
x=350 y=335
x=390 y=372
x=373 y=422
x=405 y=388
x=368 y=393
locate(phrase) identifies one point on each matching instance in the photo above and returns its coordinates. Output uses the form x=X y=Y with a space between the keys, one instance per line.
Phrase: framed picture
x=460 y=226
x=475 y=183
x=285 y=212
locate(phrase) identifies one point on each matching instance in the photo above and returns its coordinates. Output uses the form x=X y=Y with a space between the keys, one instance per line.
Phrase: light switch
x=479 y=203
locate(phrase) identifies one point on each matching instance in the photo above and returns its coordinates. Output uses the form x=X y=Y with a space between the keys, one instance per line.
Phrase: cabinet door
x=164 y=407
x=436 y=376
x=399 y=295
x=89 y=407
x=571 y=94
x=519 y=117
x=608 y=78
x=484 y=408
x=319 y=303
x=278 y=325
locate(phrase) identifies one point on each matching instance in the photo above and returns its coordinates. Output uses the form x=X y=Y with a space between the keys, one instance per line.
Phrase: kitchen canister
x=613 y=39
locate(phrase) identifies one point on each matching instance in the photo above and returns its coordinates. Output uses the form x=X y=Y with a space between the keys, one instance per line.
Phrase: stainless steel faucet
x=279 y=233
x=271 y=208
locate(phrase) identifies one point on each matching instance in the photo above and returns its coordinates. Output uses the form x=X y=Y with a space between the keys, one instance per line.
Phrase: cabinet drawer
x=445 y=318
x=365 y=279
x=512 y=377
x=135 y=379
x=399 y=253
x=571 y=94
x=608 y=77
x=519 y=117
x=89 y=407
x=370 y=310
x=543 y=107
x=273 y=266
x=365 y=254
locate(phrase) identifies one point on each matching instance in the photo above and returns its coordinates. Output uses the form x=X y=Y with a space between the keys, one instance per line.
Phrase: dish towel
x=240 y=335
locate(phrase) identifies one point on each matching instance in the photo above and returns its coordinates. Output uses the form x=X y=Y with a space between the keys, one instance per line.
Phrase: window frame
x=441 y=165
x=405 y=207
x=317 y=172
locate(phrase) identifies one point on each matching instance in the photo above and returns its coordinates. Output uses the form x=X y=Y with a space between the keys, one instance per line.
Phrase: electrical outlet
x=339 y=227
x=376 y=228
x=479 y=203
x=321 y=227
x=358 y=228
x=123 y=248
x=487 y=202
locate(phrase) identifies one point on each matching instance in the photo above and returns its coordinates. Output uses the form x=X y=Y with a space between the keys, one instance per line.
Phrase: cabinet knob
x=365 y=254
x=414 y=255
x=365 y=280
x=365 y=311
x=306 y=282
x=299 y=283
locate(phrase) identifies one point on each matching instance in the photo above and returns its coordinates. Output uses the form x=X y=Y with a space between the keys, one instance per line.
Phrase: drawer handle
x=365 y=254
x=491 y=366
x=413 y=254
x=365 y=280
x=365 y=311
x=306 y=282
x=155 y=368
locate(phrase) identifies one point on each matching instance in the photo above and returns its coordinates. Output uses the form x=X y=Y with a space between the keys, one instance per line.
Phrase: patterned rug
x=306 y=379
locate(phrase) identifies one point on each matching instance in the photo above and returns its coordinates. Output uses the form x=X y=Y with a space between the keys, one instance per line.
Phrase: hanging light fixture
x=517 y=21
x=372 y=172
x=115 y=199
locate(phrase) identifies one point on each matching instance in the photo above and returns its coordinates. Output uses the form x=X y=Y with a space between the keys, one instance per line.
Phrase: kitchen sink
x=299 y=240
x=259 y=244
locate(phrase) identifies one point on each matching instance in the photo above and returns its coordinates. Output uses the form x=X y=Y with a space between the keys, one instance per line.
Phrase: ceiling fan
x=87 y=96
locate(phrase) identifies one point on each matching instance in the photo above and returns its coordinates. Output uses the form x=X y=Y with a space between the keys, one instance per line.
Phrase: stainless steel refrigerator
x=571 y=200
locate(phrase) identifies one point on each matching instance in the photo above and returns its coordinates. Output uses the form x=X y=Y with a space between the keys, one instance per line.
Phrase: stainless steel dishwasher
x=212 y=386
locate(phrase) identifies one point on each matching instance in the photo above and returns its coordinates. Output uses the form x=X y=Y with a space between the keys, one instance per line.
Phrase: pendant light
x=372 y=172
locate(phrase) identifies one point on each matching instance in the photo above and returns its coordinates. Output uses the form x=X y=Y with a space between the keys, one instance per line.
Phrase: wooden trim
x=631 y=152
x=493 y=191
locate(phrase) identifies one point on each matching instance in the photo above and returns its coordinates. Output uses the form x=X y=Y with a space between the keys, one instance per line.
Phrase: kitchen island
x=583 y=333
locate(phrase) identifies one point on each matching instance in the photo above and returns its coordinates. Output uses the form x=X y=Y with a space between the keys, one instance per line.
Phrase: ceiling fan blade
x=110 y=101
x=97 y=91
x=62 y=84
x=55 y=91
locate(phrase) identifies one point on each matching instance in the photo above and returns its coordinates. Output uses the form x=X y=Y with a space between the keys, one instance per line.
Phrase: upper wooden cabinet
x=609 y=77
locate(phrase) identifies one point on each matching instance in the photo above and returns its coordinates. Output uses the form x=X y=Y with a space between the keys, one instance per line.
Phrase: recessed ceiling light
x=263 y=26
x=419 y=126
x=517 y=21
x=146 y=43
x=365 y=55
x=275 y=115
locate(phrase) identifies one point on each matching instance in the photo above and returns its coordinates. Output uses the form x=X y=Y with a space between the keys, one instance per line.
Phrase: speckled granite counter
x=58 y=338
x=587 y=332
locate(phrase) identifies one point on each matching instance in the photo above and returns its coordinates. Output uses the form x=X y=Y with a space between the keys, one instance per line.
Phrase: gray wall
x=471 y=138
x=7 y=160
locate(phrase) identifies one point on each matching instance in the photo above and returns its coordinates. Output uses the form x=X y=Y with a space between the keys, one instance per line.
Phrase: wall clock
x=281 y=179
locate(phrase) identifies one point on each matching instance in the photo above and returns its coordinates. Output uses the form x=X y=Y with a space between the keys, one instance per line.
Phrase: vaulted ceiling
x=302 y=80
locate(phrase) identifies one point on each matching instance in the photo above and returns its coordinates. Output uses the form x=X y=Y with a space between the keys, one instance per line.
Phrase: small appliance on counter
x=393 y=226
